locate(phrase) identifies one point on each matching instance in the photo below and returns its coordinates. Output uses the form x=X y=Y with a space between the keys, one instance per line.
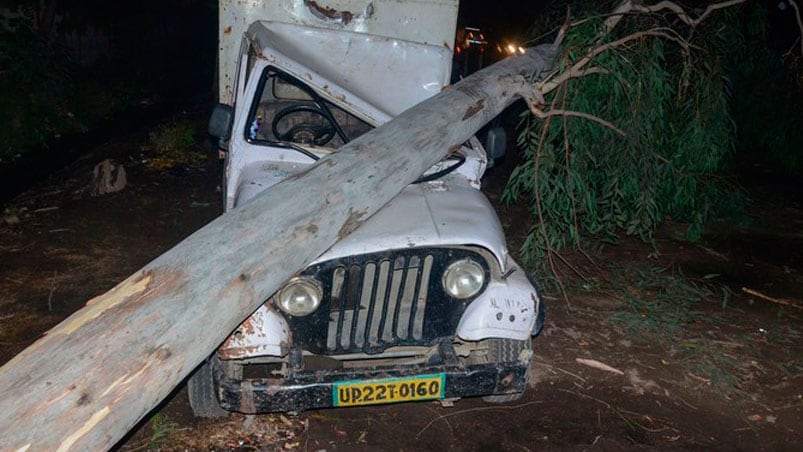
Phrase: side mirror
x=495 y=143
x=220 y=122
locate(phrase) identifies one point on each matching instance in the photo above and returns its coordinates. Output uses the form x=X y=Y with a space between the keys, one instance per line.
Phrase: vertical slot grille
x=375 y=301
x=378 y=302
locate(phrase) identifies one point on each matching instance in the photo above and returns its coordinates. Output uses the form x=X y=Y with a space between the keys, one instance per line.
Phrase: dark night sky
x=163 y=30
x=501 y=16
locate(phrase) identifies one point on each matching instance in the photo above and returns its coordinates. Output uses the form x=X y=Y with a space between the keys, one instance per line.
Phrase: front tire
x=203 y=397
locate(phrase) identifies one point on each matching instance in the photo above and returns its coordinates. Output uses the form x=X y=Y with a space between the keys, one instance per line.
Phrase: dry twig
x=780 y=301
x=472 y=410
x=598 y=365
x=622 y=416
x=562 y=370
x=52 y=291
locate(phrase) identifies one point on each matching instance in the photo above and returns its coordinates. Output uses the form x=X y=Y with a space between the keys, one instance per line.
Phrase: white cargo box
x=404 y=22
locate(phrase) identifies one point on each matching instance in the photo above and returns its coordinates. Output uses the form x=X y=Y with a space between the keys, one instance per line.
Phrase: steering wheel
x=304 y=132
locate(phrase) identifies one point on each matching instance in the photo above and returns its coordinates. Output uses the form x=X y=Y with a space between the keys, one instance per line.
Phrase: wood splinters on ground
x=599 y=365
x=698 y=378
x=46 y=209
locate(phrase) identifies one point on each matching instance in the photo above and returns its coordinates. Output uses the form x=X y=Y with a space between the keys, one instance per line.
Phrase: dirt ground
x=677 y=346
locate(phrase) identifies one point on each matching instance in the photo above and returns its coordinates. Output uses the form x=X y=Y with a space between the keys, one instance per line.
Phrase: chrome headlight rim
x=286 y=299
x=464 y=278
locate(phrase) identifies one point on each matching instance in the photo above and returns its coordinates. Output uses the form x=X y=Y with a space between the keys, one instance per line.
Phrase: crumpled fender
x=509 y=308
x=265 y=332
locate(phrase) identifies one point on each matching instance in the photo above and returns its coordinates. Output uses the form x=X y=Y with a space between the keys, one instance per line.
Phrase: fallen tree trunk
x=91 y=378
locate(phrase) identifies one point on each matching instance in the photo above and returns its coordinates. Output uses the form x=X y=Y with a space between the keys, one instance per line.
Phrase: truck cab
x=423 y=300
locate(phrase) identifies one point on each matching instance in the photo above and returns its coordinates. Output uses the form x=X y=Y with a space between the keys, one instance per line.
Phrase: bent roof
x=426 y=22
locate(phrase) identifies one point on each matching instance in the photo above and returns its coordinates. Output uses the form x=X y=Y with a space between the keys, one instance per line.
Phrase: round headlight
x=463 y=278
x=300 y=296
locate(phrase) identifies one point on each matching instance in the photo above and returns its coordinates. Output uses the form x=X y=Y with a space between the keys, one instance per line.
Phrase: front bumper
x=303 y=390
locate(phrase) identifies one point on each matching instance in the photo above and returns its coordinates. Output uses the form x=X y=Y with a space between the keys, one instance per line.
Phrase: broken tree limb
x=91 y=378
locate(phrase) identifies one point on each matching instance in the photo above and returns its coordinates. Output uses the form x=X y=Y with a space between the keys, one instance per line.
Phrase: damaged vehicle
x=421 y=302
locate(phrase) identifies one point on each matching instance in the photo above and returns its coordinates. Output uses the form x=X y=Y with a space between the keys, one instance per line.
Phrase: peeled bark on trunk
x=96 y=374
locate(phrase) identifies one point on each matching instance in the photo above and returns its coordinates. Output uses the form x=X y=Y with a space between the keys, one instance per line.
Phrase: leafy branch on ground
x=658 y=303
x=661 y=305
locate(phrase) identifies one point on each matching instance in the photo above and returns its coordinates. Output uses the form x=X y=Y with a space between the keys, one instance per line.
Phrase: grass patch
x=173 y=145
x=161 y=427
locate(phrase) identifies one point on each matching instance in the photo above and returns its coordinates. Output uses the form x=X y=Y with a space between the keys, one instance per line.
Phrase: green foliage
x=177 y=136
x=43 y=94
x=582 y=178
x=70 y=67
x=161 y=427
x=35 y=77
x=173 y=145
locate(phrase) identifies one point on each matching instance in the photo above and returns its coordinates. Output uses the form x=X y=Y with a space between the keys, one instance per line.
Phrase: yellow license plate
x=389 y=390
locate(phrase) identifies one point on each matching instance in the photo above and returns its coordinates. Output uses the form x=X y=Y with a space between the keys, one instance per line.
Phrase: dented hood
x=440 y=213
x=444 y=212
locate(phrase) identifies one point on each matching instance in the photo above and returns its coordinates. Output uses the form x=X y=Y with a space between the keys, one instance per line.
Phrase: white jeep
x=423 y=300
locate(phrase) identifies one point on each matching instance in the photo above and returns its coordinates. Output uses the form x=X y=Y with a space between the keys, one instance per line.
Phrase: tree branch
x=564 y=28
x=628 y=7
x=624 y=8
x=534 y=95
x=540 y=114
x=576 y=70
